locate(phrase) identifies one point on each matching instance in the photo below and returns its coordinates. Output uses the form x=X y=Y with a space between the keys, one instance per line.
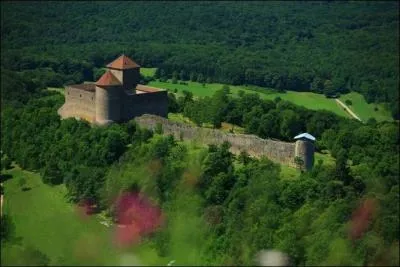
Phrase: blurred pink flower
x=361 y=218
x=136 y=217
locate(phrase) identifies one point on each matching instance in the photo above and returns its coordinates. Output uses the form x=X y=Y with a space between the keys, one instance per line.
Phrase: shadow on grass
x=5 y=177
x=26 y=189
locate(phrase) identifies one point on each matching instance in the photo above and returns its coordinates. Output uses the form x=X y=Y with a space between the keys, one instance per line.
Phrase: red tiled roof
x=122 y=63
x=147 y=89
x=108 y=79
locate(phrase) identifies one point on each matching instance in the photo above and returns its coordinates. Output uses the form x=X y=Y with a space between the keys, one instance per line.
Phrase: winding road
x=348 y=109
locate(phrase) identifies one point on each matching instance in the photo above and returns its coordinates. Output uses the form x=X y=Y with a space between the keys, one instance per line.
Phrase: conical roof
x=122 y=63
x=108 y=79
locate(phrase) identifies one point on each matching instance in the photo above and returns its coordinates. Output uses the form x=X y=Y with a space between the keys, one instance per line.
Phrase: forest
x=220 y=208
x=243 y=203
x=328 y=47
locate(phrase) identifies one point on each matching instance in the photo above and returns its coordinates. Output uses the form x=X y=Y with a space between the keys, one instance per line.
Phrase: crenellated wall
x=278 y=151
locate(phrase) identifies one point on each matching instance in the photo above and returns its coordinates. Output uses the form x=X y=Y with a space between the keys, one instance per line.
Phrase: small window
x=68 y=93
x=80 y=95
x=92 y=97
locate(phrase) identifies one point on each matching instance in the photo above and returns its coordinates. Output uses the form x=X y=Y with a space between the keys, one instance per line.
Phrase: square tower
x=126 y=71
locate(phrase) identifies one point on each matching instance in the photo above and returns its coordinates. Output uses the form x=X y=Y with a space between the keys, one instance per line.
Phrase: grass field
x=148 y=72
x=56 y=89
x=305 y=99
x=365 y=110
x=46 y=221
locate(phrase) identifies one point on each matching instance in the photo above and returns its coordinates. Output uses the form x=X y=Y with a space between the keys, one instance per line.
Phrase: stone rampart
x=278 y=151
x=78 y=103
x=139 y=104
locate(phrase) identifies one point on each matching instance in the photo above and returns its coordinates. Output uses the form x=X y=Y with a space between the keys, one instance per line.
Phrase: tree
x=200 y=78
x=173 y=106
x=182 y=75
x=5 y=162
x=7 y=228
x=342 y=171
x=329 y=89
x=193 y=76
x=175 y=77
x=219 y=188
x=317 y=85
x=159 y=128
x=51 y=173
x=219 y=160
x=290 y=125
x=244 y=158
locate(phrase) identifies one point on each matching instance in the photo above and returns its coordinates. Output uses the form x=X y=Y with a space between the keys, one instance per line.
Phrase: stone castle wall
x=278 y=151
x=104 y=106
x=79 y=103
x=139 y=104
x=108 y=104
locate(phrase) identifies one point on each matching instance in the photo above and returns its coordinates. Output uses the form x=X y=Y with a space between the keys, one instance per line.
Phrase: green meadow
x=45 y=220
x=305 y=99
x=148 y=72
x=365 y=110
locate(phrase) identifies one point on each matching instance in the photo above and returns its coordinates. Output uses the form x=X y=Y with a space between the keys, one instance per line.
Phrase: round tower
x=304 y=150
x=108 y=99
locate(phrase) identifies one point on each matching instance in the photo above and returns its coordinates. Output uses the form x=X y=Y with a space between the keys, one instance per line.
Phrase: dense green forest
x=230 y=206
x=242 y=204
x=327 y=47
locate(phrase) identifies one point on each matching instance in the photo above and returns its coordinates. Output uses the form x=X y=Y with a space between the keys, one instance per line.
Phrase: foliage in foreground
x=238 y=206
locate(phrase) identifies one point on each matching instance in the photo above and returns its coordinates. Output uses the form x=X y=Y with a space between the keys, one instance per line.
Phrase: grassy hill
x=46 y=221
x=365 y=110
x=305 y=99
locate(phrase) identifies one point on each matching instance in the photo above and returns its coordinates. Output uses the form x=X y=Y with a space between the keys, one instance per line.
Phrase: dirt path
x=348 y=109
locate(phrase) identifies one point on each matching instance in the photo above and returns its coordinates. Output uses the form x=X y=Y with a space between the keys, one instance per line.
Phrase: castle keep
x=116 y=97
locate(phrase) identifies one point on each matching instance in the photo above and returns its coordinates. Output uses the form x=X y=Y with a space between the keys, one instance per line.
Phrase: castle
x=116 y=97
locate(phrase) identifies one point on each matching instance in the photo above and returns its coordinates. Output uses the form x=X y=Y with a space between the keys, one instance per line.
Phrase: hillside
x=321 y=46
x=76 y=193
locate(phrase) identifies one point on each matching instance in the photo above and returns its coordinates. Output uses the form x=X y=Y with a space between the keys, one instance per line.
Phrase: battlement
x=278 y=151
